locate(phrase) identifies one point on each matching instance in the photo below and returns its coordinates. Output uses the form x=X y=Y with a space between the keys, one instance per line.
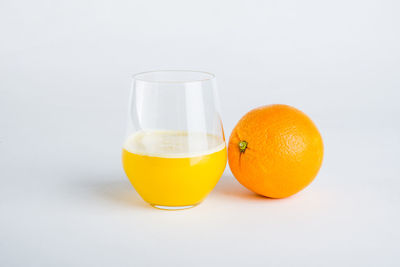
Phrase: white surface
x=64 y=81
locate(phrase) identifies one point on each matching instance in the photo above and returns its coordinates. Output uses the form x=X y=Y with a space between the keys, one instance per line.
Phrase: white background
x=65 y=70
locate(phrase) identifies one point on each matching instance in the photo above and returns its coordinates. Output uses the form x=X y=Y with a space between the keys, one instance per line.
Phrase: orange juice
x=173 y=169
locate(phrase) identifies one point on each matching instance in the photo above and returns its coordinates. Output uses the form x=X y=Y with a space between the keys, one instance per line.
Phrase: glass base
x=161 y=207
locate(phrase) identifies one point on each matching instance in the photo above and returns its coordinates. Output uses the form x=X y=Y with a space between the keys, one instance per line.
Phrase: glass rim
x=137 y=76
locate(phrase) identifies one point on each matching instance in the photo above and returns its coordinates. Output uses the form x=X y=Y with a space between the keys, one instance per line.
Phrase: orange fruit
x=275 y=151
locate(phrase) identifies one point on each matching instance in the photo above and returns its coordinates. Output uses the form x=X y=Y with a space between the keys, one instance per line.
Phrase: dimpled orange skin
x=283 y=154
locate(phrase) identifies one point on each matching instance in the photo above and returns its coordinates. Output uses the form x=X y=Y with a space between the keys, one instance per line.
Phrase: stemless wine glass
x=174 y=152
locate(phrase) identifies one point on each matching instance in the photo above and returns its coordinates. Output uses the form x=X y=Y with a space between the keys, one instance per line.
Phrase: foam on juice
x=173 y=144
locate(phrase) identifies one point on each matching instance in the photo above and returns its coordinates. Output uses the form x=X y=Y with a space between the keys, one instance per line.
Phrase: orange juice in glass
x=175 y=152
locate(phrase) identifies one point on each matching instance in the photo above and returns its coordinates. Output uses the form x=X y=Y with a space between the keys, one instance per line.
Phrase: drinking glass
x=174 y=152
